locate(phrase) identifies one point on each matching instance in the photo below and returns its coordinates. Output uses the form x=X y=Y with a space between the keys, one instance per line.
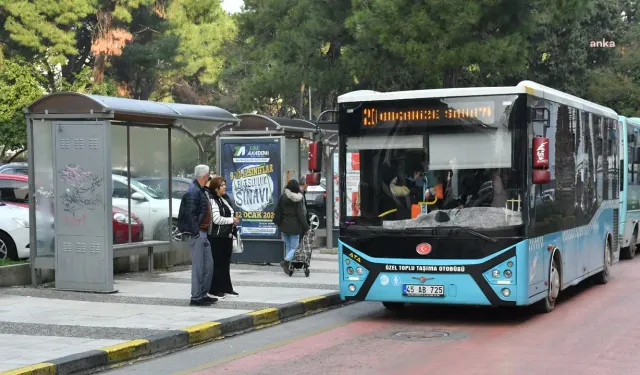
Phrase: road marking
x=274 y=345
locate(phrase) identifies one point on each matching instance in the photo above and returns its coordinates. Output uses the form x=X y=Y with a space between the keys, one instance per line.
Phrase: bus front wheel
x=393 y=306
x=547 y=304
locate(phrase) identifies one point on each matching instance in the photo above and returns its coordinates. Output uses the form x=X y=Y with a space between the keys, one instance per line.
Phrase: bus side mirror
x=312 y=179
x=541 y=177
x=315 y=156
x=540 y=152
x=540 y=171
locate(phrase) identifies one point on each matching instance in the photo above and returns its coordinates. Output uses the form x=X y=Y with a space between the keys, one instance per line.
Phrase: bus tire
x=547 y=304
x=393 y=306
x=630 y=252
x=603 y=276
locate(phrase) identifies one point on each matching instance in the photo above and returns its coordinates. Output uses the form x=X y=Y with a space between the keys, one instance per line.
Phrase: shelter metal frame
x=195 y=121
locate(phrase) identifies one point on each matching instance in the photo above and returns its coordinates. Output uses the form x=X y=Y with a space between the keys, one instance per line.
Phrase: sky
x=232 y=6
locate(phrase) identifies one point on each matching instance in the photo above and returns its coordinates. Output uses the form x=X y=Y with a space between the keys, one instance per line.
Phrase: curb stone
x=179 y=339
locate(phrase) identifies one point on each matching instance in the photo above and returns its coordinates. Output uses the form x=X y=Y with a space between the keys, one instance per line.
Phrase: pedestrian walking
x=194 y=220
x=293 y=220
x=221 y=232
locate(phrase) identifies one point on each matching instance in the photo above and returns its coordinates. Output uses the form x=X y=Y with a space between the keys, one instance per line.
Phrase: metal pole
x=32 y=200
x=129 y=176
x=170 y=190
x=310 y=118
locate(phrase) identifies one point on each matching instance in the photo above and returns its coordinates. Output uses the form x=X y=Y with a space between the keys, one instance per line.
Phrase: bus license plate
x=423 y=290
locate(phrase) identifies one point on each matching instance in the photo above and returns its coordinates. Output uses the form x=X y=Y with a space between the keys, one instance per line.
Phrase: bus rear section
x=487 y=196
x=629 y=187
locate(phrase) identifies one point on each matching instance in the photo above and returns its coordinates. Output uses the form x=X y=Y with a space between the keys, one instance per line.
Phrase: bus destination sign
x=484 y=112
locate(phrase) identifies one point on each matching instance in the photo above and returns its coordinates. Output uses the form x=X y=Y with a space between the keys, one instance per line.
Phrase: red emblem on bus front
x=423 y=249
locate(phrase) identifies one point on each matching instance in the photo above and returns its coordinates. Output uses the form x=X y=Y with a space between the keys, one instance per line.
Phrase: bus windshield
x=445 y=166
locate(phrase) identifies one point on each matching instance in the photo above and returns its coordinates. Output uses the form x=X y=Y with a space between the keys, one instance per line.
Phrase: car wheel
x=164 y=228
x=314 y=219
x=8 y=250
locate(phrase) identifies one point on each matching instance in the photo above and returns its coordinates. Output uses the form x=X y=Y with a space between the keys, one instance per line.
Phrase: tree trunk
x=301 y=105
x=103 y=28
x=450 y=78
x=98 y=68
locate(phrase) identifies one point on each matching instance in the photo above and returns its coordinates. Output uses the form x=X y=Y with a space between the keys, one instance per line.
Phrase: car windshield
x=147 y=190
x=412 y=174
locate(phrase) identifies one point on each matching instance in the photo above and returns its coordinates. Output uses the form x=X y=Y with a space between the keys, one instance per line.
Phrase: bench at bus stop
x=148 y=248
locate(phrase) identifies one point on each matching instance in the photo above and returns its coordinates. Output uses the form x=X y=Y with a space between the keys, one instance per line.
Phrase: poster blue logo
x=252 y=169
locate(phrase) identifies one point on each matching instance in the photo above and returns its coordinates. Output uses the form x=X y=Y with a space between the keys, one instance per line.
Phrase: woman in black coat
x=221 y=231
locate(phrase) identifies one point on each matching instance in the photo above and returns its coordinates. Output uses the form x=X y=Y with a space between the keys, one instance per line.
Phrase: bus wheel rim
x=555 y=282
x=607 y=259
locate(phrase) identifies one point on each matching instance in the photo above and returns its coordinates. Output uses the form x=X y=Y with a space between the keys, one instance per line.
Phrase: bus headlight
x=507 y=273
x=506 y=292
x=347 y=261
x=350 y=270
x=352 y=288
x=495 y=273
x=359 y=270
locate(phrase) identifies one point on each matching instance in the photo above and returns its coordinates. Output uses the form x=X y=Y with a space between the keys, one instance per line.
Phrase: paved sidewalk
x=41 y=324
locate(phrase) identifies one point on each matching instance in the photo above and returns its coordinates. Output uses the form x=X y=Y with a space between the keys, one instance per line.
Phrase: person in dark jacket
x=220 y=235
x=303 y=190
x=194 y=220
x=294 y=220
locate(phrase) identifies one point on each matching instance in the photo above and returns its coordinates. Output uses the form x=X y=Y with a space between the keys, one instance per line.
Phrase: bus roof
x=633 y=120
x=524 y=87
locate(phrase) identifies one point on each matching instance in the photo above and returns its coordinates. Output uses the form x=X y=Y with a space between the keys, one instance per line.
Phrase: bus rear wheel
x=393 y=306
x=630 y=252
x=603 y=276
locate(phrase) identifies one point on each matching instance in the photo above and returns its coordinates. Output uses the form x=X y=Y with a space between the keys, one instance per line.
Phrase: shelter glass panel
x=44 y=191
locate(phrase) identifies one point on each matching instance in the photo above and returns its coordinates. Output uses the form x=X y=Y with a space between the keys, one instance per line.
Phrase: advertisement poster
x=352 y=193
x=252 y=170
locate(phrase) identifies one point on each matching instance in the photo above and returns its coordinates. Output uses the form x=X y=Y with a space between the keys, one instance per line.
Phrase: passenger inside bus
x=396 y=183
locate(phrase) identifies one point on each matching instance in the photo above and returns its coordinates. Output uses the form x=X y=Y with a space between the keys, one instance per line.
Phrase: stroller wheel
x=306 y=272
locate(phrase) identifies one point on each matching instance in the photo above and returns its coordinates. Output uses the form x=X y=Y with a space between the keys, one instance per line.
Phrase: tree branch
x=14 y=155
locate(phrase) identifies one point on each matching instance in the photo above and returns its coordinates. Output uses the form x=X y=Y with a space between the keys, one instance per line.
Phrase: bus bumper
x=497 y=280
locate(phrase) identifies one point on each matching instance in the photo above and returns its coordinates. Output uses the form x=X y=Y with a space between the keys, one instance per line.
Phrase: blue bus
x=630 y=186
x=497 y=196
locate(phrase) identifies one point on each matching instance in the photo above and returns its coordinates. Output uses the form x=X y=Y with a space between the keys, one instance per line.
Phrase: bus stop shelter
x=257 y=158
x=82 y=213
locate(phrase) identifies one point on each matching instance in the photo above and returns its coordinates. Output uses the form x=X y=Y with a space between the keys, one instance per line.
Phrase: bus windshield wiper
x=451 y=227
x=376 y=230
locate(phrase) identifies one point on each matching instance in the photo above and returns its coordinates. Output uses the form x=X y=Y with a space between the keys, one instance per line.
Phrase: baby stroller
x=302 y=256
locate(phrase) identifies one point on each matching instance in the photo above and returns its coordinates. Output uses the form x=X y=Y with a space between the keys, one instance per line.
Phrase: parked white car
x=150 y=206
x=14 y=232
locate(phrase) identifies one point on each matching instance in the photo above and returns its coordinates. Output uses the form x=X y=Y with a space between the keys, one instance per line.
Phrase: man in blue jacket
x=194 y=220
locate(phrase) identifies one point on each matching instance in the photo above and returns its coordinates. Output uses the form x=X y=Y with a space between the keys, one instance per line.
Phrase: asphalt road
x=593 y=330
